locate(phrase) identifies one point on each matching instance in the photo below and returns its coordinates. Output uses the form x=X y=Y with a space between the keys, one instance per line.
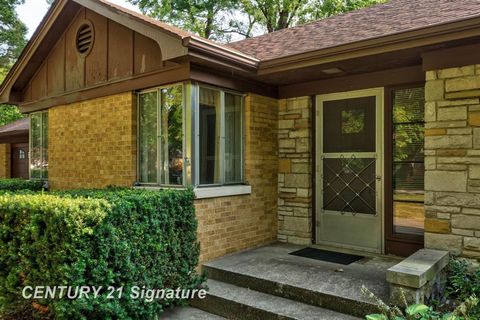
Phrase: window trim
x=191 y=136
x=30 y=144
x=184 y=119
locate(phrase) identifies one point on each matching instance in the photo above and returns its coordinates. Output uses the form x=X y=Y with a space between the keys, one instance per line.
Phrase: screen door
x=349 y=170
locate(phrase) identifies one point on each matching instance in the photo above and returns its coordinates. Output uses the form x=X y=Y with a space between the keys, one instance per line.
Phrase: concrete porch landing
x=271 y=270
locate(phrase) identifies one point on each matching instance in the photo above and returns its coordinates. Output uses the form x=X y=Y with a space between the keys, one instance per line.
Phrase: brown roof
x=393 y=17
x=16 y=127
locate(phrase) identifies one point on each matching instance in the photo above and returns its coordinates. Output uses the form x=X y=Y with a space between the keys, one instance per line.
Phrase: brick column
x=4 y=161
x=452 y=149
x=295 y=172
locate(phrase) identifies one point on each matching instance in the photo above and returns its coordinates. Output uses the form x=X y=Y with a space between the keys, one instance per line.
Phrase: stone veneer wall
x=295 y=171
x=230 y=224
x=452 y=149
x=4 y=160
x=92 y=144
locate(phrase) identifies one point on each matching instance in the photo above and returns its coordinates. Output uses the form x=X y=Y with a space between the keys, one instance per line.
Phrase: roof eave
x=435 y=34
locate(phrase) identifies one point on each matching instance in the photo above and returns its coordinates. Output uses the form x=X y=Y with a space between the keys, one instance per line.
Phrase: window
x=39 y=145
x=220 y=142
x=190 y=135
x=408 y=160
x=160 y=132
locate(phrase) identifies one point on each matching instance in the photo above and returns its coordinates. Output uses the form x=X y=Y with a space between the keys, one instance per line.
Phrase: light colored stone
x=474 y=172
x=431 y=75
x=452 y=113
x=296 y=224
x=459 y=131
x=471 y=211
x=466 y=222
x=470 y=200
x=430 y=111
x=452 y=167
x=463 y=232
x=449 y=242
x=430 y=163
x=286 y=124
x=462 y=94
x=462 y=102
x=434 y=90
x=462 y=84
x=286 y=143
x=446 y=181
x=446 y=124
x=471 y=243
x=456 y=72
x=448 y=142
x=297 y=180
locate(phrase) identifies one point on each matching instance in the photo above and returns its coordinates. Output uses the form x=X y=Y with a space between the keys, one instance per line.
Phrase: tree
x=221 y=19
x=12 y=41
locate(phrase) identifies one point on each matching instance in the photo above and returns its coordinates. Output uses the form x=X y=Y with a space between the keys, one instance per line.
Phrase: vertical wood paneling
x=74 y=63
x=120 y=51
x=39 y=83
x=56 y=68
x=96 y=61
x=148 y=56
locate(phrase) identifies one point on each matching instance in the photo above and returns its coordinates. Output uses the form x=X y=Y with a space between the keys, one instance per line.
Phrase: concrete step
x=273 y=271
x=234 y=302
x=315 y=298
x=189 y=313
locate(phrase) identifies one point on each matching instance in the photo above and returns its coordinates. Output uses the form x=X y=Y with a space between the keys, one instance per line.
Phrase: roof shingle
x=393 y=17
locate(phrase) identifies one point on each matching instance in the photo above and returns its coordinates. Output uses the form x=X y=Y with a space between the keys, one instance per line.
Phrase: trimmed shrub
x=118 y=237
x=20 y=184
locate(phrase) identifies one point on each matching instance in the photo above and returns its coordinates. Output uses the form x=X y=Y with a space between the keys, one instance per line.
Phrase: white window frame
x=30 y=144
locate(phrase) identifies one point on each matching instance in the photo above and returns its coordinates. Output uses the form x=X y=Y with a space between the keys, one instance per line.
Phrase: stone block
x=466 y=222
x=292 y=223
x=470 y=200
x=430 y=111
x=462 y=84
x=298 y=180
x=456 y=72
x=286 y=124
x=471 y=243
x=286 y=143
x=434 y=90
x=435 y=132
x=446 y=181
x=431 y=75
x=462 y=94
x=461 y=102
x=448 y=242
x=446 y=124
x=448 y=142
x=474 y=119
x=437 y=226
x=452 y=113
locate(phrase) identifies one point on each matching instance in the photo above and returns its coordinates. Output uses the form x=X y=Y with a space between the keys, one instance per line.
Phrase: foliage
x=220 y=19
x=20 y=184
x=12 y=32
x=463 y=282
x=115 y=237
x=420 y=311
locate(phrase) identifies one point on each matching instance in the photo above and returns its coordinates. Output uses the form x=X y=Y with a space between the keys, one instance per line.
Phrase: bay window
x=39 y=145
x=190 y=134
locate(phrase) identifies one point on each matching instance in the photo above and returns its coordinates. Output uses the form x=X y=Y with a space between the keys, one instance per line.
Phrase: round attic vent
x=85 y=38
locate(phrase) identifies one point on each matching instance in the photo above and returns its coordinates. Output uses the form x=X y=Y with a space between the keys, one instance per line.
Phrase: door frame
x=379 y=93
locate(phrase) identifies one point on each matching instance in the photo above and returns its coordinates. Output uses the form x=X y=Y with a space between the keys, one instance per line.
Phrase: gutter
x=221 y=53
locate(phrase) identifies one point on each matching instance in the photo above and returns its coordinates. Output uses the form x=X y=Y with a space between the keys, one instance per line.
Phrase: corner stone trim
x=452 y=160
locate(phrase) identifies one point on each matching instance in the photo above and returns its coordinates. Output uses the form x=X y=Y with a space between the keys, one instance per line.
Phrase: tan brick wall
x=452 y=149
x=92 y=144
x=4 y=161
x=230 y=224
x=295 y=166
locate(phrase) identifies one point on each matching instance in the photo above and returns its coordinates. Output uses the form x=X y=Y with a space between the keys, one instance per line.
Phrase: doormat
x=329 y=256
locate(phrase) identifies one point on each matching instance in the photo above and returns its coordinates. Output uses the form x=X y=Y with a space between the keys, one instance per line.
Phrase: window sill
x=210 y=192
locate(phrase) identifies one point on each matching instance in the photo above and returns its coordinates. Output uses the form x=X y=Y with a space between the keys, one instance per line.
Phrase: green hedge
x=98 y=238
x=20 y=184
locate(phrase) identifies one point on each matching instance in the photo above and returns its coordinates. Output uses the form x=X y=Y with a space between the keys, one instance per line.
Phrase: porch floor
x=272 y=263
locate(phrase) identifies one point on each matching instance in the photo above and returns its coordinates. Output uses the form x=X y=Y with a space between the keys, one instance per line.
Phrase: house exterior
x=360 y=131
x=14 y=161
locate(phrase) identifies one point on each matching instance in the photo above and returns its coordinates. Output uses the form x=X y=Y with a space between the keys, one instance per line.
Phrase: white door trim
x=379 y=154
